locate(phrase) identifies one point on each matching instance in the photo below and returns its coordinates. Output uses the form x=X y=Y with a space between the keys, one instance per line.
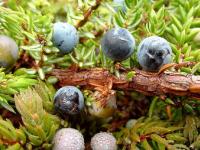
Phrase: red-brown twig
x=88 y=13
x=160 y=84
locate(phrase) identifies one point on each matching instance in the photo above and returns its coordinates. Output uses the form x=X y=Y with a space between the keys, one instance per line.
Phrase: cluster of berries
x=72 y=139
x=118 y=44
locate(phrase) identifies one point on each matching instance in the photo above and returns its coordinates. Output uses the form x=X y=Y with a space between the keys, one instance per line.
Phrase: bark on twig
x=88 y=13
x=161 y=84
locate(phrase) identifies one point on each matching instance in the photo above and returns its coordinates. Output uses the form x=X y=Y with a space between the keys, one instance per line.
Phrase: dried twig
x=161 y=84
x=88 y=13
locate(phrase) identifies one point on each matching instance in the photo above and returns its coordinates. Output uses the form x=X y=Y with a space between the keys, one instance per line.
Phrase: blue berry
x=120 y=5
x=118 y=44
x=153 y=53
x=69 y=100
x=8 y=52
x=65 y=37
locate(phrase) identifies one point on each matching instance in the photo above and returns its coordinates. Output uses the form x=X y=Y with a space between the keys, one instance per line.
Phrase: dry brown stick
x=160 y=84
x=88 y=13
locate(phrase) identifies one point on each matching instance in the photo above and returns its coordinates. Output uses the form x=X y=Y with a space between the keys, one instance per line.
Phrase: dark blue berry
x=118 y=44
x=8 y=52
x=69 y=100
x=153 y=53
x=65 y=37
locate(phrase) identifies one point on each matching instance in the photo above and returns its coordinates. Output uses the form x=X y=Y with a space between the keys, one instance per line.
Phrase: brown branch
x=25 y=60
x=88 y=13
x=161 y=84
x=7 y=142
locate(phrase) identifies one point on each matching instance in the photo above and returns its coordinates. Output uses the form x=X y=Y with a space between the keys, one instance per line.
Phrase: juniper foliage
x=172 y=123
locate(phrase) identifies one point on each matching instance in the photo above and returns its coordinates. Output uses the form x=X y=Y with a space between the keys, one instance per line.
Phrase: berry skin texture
x=8 y=52
x=118 y=44
x=68 y=139
x=153 y=53
x=103 y=141
x=68 y=100
x=65 y=37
